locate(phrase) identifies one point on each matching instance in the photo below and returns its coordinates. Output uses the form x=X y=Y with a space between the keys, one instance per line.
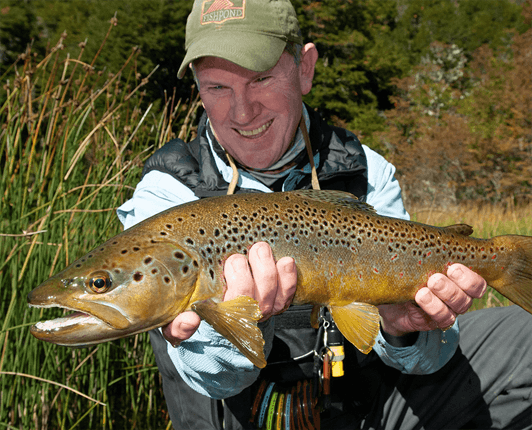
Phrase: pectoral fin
x=236 y=320
x=359 y=323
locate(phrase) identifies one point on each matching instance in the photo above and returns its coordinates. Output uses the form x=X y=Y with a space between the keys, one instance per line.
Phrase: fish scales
x=348 y=258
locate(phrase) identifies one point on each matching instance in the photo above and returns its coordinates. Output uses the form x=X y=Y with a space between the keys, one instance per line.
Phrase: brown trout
x=348 y=258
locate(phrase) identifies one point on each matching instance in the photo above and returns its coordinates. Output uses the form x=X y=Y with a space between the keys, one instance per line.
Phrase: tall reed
x=73 y=140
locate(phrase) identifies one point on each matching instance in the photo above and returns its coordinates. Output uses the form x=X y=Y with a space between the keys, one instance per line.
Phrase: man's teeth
x=256 y=131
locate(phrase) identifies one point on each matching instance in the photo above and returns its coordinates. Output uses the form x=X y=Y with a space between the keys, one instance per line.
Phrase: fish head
x=123 y=287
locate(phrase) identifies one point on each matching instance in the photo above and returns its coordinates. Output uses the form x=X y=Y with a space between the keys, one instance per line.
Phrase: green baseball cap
x=250 y=33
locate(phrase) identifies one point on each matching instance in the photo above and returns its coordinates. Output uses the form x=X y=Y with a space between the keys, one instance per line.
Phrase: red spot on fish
x=494 y=256
x=376 y=270
x=394 y=257
x=428 y=254
x=419 y=262
x=401 y=274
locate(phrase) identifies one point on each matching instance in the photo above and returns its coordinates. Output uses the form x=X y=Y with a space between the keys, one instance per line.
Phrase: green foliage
x=18 y=26
x=353 y=72
x=465 y=23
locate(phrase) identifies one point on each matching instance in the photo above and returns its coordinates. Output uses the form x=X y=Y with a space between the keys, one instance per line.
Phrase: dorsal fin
x=463 y=229
x=336 y=197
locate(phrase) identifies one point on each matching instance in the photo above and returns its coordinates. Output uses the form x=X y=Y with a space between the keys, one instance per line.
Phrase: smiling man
x=252 y=69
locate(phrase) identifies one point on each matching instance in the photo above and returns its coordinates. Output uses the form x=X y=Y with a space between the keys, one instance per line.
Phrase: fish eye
x=99 y=282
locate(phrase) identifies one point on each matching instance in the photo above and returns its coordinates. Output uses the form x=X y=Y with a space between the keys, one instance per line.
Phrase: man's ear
x=309 y=56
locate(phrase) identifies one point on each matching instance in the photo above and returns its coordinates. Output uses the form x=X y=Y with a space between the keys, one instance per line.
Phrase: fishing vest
x=342 y=166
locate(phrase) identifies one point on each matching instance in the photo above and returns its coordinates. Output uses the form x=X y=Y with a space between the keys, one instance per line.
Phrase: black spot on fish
x=163 y=233
x=78 y=265
x=148 y=260
x=189 y=241
x=195 y=264
x=124 y=251
x=169 y=226
x=185 y=269
x=136 y=248
x=201 y=231
x=179 y=255
x=90 y=256
x=167 y=279
x=138 y=276
x=211 y=273
x=154 y=271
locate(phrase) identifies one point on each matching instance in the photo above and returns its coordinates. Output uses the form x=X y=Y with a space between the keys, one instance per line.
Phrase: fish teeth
x=256 y=131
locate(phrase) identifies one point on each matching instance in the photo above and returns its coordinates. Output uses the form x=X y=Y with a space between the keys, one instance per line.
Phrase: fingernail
x=424 y=296
x=438 y=285
x=264 y=252
x=289 y=266
x=456 y=273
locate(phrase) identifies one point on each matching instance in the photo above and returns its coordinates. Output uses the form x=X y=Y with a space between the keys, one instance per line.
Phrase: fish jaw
x=78 y=329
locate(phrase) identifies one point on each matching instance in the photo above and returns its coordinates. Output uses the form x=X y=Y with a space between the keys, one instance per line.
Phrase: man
x=252 y=70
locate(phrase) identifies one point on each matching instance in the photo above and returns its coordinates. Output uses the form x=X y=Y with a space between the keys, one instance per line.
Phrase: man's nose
x=244 y=107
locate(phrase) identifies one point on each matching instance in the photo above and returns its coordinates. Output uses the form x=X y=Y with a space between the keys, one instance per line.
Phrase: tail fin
x=516 y=282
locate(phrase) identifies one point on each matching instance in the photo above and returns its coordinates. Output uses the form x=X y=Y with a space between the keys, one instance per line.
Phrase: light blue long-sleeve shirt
x=213 y=366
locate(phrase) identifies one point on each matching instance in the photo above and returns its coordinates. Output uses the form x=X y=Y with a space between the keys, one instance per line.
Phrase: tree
x=18 y=28
x=474 y=140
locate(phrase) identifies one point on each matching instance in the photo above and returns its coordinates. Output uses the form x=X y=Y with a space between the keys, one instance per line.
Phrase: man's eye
x=263 y=79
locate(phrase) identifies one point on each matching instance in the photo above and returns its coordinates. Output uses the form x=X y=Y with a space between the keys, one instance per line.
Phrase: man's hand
x=271 y=283
x=438 y=303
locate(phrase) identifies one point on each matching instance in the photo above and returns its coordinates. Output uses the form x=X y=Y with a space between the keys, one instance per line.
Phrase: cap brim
x=257 y=52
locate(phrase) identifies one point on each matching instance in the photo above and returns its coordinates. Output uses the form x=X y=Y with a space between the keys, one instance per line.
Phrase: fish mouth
x=74 y=318
x=75 y=329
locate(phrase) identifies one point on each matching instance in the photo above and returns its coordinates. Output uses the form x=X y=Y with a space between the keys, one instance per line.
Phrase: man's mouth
x=257 y=131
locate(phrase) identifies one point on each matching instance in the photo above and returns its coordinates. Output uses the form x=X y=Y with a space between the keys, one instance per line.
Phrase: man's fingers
x=286 y=268
x=265 y=276
x=238 y=277
x=449 y=293
x=181 y=328
x=435 y=308
x=470 y=282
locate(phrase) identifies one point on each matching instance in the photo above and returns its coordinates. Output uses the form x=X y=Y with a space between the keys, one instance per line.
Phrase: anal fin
x=359 y=323
x=236 y=320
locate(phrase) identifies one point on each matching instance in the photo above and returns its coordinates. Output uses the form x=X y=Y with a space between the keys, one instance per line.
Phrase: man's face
x=254 y=115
